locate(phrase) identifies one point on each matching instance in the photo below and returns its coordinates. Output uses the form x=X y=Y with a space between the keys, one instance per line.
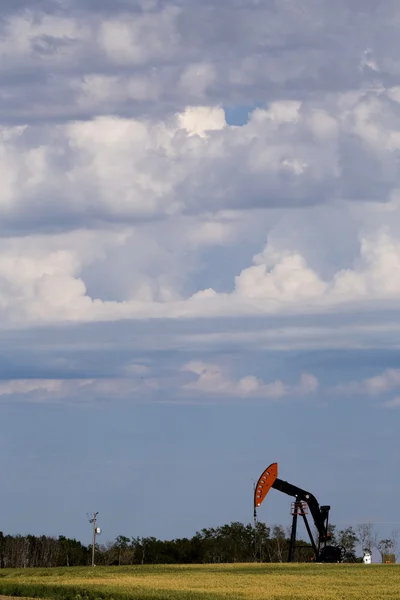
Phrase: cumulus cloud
x=211 y=379
x=206 y=379
x=127 y=194
x=285 y=277
x=374 y=386
x=59 y=390
x=22 y=387
x=378 y=386
x=280 y=281
x=117 y=170
x=198 y=51
x=140 y=38
x=44 y=279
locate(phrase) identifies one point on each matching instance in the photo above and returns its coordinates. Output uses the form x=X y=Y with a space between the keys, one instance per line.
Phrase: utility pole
x=96 y=530
x=255 y=523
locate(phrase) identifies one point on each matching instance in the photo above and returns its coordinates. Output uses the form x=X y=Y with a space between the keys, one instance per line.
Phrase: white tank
x=367 y=558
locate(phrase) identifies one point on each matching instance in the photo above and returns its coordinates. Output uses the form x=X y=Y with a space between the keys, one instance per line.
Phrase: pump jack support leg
x=311 y=537
x=292 y=546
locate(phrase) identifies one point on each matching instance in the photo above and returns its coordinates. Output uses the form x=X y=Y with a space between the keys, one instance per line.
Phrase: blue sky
x=199 y=261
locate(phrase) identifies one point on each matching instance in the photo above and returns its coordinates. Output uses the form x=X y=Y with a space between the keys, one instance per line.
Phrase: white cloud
x=54 y=39
x=188 y=54
x=44 y=278
x=109 y=90
x=58 y=390
x=117 y=169
x=395 y=403
x=137 y=369
x=207 y=379
x=148 y=161
x=213 y=380
x=308 y=384
x=281 y=281
x=199 y=120
x=377 y=386
x=141 y=38
x=382 y=383
x=279 y=276
x=22 y=387
x=374 y=386
x=196 y=79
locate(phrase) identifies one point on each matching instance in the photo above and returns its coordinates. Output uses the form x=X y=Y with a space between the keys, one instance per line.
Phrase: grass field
x=206 y=582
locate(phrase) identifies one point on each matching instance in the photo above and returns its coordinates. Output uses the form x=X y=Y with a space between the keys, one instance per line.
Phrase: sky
x=199 y=262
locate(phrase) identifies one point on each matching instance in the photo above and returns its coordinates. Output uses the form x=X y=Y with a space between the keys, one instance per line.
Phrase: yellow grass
x=206 y=582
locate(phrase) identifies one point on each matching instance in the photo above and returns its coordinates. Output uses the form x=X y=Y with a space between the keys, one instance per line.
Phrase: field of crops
x=206 y=582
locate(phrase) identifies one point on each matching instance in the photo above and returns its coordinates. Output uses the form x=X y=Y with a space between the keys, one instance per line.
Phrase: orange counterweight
x=265 y=483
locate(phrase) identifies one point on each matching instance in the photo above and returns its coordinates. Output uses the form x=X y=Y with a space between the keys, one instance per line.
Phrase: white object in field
x=367 y=558
x=98 y=530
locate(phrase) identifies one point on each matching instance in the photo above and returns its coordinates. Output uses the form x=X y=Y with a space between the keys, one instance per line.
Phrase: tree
x=122 y=545
x=147 y=550
x=332 y=533
x=394 y=537
x=2 y=565
x=366 y=536
x=261 y=541
x=385 y=547
x=279 y=543
x=348 y=539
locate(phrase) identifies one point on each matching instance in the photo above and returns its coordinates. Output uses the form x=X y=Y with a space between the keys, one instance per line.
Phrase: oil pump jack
x=323 y=550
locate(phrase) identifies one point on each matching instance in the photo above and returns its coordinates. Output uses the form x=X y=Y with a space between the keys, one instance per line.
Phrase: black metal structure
x=324 y=552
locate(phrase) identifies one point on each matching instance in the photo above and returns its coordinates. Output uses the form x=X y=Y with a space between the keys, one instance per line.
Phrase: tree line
x=234 y=542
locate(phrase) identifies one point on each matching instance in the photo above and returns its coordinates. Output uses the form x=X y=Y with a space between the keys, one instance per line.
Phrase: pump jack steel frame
x=323 y=551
